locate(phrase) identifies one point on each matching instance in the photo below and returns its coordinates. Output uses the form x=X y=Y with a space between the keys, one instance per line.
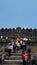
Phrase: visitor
x=24 y=58
x=10 y=48
x=30 y=57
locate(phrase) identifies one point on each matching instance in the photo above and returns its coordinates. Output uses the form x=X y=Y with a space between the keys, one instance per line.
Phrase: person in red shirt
x=29 y=57
x=24 y=57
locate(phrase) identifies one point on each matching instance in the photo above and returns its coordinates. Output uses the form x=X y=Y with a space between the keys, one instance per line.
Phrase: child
x=29 y=57
x=24 y=57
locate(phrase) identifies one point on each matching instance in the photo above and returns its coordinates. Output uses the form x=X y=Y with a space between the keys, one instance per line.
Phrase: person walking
x=10 y=47
x=24 y=45
x=30 y=57
x=24 y=58
x=18 y=45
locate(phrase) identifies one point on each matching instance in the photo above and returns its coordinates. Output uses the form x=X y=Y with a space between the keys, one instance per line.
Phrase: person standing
x=10 y=47
x=30 y=57
x=23 y=45
x=24 y=58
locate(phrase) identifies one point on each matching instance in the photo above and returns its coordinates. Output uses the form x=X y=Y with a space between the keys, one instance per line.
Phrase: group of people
x=15 y=46
x=27 y=57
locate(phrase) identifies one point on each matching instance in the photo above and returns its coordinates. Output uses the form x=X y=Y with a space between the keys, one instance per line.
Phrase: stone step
x=18 y=56
x=17 y=53
x=10 y=61
x=14 y=54
x=13 y=57
x=13 y=62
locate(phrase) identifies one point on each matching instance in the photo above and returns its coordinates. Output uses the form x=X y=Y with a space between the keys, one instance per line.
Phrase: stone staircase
x=14 y=59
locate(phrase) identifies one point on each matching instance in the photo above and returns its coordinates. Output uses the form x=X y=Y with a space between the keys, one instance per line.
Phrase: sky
x=18 y=13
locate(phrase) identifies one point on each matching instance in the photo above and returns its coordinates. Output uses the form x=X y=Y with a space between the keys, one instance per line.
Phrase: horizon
x=17 y=27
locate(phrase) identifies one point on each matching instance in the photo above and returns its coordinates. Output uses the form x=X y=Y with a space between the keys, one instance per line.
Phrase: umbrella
x=25 y=39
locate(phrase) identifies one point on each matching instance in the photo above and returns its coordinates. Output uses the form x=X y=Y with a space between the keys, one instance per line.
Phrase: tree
x=2 y=29
x=18 y=29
